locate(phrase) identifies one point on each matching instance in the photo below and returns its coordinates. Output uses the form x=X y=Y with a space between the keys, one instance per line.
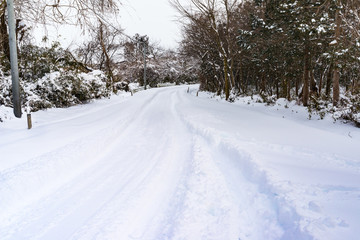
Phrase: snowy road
x=166 y=164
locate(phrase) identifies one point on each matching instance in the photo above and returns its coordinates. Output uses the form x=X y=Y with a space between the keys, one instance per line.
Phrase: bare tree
x=84 y=13
x=219 y=15
x=79 y=12
x=103 y=50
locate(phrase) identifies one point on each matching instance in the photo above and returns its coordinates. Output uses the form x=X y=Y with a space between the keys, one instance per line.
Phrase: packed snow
x=168 y=164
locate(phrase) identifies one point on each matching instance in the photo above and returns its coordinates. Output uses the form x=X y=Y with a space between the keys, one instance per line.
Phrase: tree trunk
x=320 y=83
x=297 y=87
x=4 y=36
x=336 y=87
x=313 y=87
x=107 y=58
x=336 y=75
x=256 y=83
x=232 y=73
x=241 y=78
x=328 y=81
x=284 y=86
x=354 y=85
x=263 y=83
x=305 y=91
x=288 y=90
x=226 y=78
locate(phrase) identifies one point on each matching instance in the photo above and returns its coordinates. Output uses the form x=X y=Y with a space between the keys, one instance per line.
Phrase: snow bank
x=309 y=164
x=6 y=113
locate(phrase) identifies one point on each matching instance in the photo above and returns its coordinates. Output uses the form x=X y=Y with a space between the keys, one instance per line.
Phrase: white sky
x=155 y=18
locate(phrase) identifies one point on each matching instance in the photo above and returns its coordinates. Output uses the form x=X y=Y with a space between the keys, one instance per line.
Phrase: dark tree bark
x=4 y=36
x=336 y=74
x=306 y=77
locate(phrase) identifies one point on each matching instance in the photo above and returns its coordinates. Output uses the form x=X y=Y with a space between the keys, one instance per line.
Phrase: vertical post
x=14 y=60
x=29 y=121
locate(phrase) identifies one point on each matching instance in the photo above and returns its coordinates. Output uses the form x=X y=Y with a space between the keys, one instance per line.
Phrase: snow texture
x=165 y=164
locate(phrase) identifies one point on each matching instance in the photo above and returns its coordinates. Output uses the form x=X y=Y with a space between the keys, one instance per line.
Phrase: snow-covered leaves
x=65 y=89
x=57 y=89
x=52 y=77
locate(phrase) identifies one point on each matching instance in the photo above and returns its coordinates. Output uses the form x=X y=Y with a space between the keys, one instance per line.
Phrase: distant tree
x=77 y=12
x=103 y=51
x=215 y=19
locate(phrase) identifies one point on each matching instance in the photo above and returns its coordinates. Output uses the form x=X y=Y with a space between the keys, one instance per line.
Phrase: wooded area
x=291 y=49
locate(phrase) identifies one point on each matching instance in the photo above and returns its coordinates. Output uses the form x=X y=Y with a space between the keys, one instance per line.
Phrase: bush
x=57 y=89
x=64 y=89
x=5 y=91
x=349 y=108
x=51 y=77
x=35 y=62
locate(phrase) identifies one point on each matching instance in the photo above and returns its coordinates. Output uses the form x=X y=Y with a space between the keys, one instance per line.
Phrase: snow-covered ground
x=165 y=164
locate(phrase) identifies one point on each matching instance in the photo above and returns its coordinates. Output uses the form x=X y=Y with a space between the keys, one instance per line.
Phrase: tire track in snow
x=145 y=208
x=37 y=178
x=80 y=122
x=161 y=177
x=213 y=210
x=125 y=194
x=250 y=185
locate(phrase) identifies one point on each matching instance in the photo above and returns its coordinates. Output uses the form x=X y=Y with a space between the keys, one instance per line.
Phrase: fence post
x=29 y=121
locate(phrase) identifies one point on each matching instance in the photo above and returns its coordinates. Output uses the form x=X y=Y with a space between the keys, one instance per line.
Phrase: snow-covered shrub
x=5 y=90
x=122 y=86
x=35 y=62
x=268 y=99
x=349 y=108
x=52 y=77
x=64 y=89
x=317 y=106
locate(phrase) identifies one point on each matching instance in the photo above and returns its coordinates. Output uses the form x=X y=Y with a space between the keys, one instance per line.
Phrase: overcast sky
x=155 y=18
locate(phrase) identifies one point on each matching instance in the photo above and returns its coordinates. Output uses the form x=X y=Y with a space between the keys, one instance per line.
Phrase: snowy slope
x=166 y=164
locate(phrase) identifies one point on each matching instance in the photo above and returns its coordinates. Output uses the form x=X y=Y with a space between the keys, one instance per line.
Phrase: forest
x=306 y=51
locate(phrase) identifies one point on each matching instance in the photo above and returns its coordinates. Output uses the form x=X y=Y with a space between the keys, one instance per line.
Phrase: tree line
x=292 y=49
